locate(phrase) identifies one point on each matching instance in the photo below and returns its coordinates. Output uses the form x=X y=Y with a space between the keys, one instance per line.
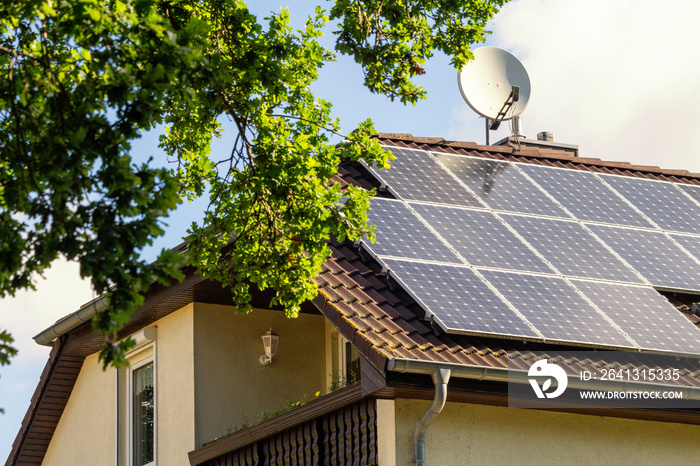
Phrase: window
x=345 y=369
x=352 y=363
x=143 y=415
x=137 y=403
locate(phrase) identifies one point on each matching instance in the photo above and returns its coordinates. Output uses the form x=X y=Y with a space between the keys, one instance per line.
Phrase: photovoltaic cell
x=654 y=255
x=585 y=195
x=400 y=233
x=644 y=315
x=501 y=186
x=556 y=309
x=481 y=238
x=572 y=249
x=661 y=201
x=460 y=301
x=415 y=175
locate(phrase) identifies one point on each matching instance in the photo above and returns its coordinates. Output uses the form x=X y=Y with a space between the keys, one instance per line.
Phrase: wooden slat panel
x=372 y=432
x=315 y=449
x=334 y=434
x=287 y=452
x=363 y=433
x=346 y=435
x=296 y=451
x=356 y=433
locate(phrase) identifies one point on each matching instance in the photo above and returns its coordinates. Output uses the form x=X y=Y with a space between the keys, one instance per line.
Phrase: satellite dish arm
x=512 y=98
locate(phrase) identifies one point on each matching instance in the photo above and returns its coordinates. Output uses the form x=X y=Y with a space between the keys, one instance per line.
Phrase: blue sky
x=617 y=78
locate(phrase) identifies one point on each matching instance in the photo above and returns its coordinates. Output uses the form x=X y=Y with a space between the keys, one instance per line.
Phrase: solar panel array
x=539 y=253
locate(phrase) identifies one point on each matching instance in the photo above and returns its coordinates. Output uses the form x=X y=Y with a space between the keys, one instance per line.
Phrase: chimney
x=545 y=136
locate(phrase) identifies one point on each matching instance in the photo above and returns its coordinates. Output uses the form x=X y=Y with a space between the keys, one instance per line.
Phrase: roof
x=384 y=322
x=381 y=320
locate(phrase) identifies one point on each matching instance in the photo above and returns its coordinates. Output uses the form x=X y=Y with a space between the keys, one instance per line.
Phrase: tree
x=81 y=78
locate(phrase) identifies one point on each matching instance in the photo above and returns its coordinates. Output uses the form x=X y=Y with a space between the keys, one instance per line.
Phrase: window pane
x=144 y=406
x=352 y=364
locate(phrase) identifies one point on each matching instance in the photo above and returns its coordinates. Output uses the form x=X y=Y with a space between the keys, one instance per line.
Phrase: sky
x=618 y=78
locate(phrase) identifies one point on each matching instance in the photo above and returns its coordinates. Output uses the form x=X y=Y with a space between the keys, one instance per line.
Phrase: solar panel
x=400 y=233
x=661 y=201
x=501 y=186
x=644 y=315
x=572 y=249
x=654 y=255
x=481 y=238
x=445 y=221
x=415 y=175
x=556 y=309
x=459 y=300
x=585 y=195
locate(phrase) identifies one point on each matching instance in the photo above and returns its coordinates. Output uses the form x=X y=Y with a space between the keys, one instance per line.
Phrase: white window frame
x=341 y=355
x=342 y=369
x=139 y=357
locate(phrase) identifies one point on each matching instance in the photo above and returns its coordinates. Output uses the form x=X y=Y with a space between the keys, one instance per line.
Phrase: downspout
x=441 y=376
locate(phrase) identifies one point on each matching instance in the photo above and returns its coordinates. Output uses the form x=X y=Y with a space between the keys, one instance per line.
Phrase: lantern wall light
x=270 y=341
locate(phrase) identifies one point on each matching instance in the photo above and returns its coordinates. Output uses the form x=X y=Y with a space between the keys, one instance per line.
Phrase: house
x=433 y=376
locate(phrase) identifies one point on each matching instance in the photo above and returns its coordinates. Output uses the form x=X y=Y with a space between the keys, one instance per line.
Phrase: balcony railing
x=339 y=428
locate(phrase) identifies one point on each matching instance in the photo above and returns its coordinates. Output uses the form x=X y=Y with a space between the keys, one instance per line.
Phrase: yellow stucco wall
x=232 y=387
x=175 y=385
x=85 y=433
x=488 y=435
x=208 y=379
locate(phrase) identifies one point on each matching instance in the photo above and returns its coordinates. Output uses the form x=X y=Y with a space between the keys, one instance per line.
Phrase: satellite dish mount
x=496 y=86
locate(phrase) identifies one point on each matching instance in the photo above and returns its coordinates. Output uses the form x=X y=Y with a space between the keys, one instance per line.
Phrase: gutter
x=87 y=311
x=441 y=373
x=71 y=321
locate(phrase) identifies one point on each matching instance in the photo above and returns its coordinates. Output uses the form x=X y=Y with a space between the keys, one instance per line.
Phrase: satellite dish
x=487 y=83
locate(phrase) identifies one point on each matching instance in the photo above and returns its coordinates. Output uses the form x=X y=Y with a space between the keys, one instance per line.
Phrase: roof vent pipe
x=517 y=127
x=545 y=136
x=440 y=378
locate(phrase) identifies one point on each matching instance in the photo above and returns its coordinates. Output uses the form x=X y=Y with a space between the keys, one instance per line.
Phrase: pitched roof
x=372 y=312
x=384 y=322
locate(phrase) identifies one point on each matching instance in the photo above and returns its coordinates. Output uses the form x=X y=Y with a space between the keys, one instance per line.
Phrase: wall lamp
x=270 y=341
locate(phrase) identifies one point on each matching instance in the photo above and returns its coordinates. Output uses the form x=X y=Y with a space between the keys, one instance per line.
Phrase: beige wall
x=232 y=387
x=209 y=380
x=175 y=386
x=85 y=433
x=485 y=435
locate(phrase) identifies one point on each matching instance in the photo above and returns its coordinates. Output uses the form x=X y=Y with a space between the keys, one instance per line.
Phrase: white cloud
x=61 y=292
x=619 y=79
x=24 y=315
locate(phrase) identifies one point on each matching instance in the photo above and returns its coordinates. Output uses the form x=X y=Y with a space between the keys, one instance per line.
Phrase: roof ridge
x=438 y=143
